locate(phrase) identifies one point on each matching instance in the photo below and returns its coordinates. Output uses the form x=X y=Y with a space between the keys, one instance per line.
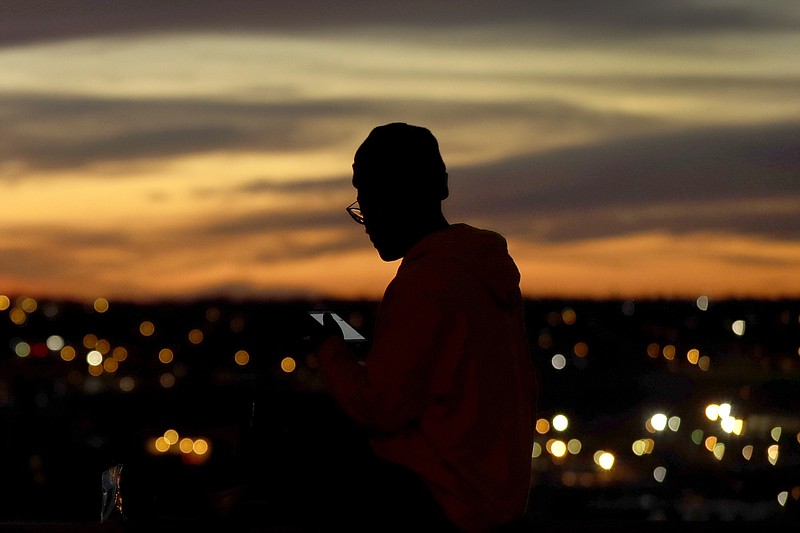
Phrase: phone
x=349 y=333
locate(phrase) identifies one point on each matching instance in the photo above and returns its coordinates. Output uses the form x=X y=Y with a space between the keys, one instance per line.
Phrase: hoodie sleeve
x=391 y=391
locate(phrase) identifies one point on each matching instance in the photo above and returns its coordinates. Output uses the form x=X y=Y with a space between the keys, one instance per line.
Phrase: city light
x=55 y=342
x=94 y=358
x=558 y=361
x=606 y=460
x=241 y=357
x=560 y=422
x=738 y=327
x=659 y=474
x=542 y=426
x=288 y=364
x=101 y=305
x=659 y=421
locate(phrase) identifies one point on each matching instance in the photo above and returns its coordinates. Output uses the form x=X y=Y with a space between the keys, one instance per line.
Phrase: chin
x=388 y=255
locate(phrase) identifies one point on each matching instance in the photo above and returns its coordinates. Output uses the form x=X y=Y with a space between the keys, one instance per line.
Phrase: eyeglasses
x=354 y=210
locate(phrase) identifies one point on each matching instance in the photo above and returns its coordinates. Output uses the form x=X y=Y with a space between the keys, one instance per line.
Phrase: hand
x=329 y=329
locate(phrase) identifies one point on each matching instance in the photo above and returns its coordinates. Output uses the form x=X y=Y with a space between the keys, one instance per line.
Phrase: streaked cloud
x=149 y=149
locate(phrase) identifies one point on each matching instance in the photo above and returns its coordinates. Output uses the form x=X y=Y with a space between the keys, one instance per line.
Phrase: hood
x=482 y=253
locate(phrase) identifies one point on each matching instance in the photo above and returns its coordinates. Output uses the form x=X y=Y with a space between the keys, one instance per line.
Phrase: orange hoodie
x=448 y=384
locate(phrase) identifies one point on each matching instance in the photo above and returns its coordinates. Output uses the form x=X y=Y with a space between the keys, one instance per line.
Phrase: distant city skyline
x=625 y=149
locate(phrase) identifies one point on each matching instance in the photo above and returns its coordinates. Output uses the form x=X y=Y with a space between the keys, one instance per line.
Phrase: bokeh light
x=241 y=357
x=558 y=361
x=101 y=305
x=147 y=328
x=55 y=342
x=659 y=421
x=560 y=422
x=94 y=358
x=165 y=355
x=195 y=336
x=659 y=473
x=288 y=364
x=606 y=460
x=542 y=426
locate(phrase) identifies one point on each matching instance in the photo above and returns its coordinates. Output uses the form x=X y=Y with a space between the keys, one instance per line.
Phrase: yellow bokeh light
x=94 y=358
x=659 y=421
x=772 y=454
x=119 y=353
x=101 y=305
x=560 y=422
x=669 y=352
x=558 y=449
x=185 y=445
x=724 y=410
x=537 y=450
x=574 y=446
x=103 y=346
x=29 y=305
x=5 y=302
x=147 y=328
x=747 y=452
x=549 y=445
x=712 y=412
x=288 y=364
x=68 y=353
x=719 y=450
x=775 y=433
x=738 y=426
x=96 y=370
x=638 y=447
x=693 y=356
x=110 y=365
x=200 y=446
x=649 y=445
x=18 y=316
x=171 y=436
x=165 y=355
x=195 y=336
x=90 y=340
x=162 y=445
x=710 y=443
x=606 y=460
x=242 y=358
x=568 y=316
x=543 y=426
x=674 y=423
x=597 y=455
x=728 y=423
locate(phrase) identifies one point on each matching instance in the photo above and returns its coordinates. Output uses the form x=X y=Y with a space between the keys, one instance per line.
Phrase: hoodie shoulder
x=462 y=254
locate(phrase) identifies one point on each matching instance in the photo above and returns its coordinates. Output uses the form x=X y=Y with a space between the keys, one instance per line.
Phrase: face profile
x=401 y=181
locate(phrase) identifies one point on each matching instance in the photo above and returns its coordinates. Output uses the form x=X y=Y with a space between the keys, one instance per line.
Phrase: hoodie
x=448 y=385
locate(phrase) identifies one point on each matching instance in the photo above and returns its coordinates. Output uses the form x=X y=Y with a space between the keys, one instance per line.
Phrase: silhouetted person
x=447 y=388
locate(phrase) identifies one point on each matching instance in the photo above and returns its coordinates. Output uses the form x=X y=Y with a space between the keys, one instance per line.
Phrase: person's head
x=401 y=181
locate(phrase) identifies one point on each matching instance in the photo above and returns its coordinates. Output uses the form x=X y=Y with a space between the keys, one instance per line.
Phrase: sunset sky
x=153 y=149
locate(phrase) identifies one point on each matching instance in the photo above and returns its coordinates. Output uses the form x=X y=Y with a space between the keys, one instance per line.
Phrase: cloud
x=32 y=20
x=40 y=132
x=697 y=180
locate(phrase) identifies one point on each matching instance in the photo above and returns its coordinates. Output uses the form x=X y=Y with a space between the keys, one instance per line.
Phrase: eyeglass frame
x=354 y=210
